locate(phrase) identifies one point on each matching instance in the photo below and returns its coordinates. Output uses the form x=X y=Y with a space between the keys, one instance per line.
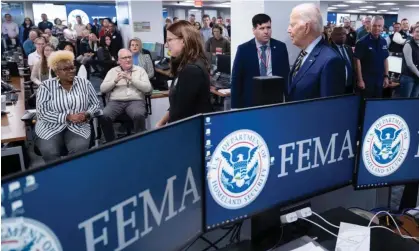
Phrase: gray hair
x=310 y=13
x=377 y=18
x=122 y=50
x=365 y=18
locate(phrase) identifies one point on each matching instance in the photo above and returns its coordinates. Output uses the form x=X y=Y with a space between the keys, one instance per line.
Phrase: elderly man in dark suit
x=261 y=56
x=343 y=50
x=318 y=70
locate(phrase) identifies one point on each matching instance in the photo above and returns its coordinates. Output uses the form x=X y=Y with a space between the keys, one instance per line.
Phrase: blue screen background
x=74 y=191
x=408 y=109
x=286 y=124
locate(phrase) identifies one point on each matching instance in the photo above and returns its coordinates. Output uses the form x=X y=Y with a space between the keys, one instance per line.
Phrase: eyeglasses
x=40 y=44
x=126 y=58
x=67 y=69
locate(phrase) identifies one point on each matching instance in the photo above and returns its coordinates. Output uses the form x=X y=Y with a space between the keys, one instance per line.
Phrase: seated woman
x=140 y=58
x=80 y=69
x=64 y=106
x=104 y=58
x=41 y=71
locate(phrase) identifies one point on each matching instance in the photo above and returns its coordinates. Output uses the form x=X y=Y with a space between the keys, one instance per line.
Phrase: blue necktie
x=263 y=63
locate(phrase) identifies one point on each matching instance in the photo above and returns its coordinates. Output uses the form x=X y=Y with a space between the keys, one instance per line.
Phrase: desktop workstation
x=227 y=168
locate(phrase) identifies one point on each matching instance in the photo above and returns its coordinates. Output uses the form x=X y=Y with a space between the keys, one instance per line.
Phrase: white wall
x=123 y=11
x=241 y=19
x=180 y=13
x=149 y=11
x=412 y=14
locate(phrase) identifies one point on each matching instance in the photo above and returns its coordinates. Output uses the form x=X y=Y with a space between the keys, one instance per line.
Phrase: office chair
x=124 y=119
x=30 y=121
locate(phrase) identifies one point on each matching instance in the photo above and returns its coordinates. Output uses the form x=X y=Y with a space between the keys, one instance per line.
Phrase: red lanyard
x=268 y=55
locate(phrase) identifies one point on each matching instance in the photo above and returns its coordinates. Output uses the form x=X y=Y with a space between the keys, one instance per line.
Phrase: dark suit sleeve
x=227 y=48
x=191 y=82
x=333 y=78
x=359 y=50
x=237 y=80
x=285 y=65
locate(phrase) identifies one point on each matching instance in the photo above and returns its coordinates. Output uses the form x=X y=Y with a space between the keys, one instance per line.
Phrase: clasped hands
x=122 y=75
x=77 y=117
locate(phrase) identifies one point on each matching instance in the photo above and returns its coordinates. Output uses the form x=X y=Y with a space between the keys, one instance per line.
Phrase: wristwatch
x=386 y=76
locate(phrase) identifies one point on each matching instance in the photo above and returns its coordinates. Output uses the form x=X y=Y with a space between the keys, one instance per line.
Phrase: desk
x=410 y=225
x=12 y=128
x=381 y=239
x=159 y=106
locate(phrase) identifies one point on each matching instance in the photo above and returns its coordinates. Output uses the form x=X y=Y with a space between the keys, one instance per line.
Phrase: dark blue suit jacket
x=322 y=74
x=246 y=66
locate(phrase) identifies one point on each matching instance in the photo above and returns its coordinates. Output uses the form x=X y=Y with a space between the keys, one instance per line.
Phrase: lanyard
x=268 y=55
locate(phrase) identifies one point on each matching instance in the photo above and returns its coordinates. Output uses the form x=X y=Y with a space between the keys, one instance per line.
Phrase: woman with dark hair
x=26 y=27
x=105 y=30
x=41 y=71
x=190 y=91
x=104 y=58
x=198 y=25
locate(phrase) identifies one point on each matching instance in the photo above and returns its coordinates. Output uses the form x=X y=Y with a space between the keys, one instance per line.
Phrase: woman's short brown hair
x=193 y=45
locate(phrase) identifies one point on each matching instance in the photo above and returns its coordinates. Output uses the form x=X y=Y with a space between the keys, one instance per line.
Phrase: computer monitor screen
x=395 y=64
x=261 y=157
x=224 y=64
x=389 y=149
x=143 y=193
x=159 y=50
x=150 y=46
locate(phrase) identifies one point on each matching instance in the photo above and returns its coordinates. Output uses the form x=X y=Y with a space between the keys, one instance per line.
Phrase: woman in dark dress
x=190 y=90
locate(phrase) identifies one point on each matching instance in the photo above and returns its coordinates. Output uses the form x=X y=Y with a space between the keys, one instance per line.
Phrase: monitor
x=224 y=64
x=159 y=49
x=258 y=158
x=268 y=90
x=389 y=149
x=124 y=196
x=150 y=46
x=395 y=64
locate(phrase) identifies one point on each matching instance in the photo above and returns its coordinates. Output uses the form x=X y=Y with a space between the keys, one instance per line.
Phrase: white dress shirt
x=310 y=48
x=268 y=52
x=33 y=58
x=10 y=28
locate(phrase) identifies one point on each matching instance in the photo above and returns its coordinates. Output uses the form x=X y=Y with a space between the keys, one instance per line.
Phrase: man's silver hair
x=377 y=18
x=365 y=18
x=122 y=50
x=310 y=13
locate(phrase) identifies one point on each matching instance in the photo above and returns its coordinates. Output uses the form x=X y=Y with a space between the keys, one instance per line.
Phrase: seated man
x=64 y=106
x=126 y=85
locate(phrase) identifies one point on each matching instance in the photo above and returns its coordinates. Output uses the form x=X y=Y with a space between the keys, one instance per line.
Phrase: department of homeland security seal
x=26 y=234
x=238 y=169
x=386 y=145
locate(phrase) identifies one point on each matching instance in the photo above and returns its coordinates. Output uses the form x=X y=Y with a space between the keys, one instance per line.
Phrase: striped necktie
x=299 y=61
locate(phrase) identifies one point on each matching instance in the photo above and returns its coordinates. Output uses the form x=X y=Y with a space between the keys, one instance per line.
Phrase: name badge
x=370 y=48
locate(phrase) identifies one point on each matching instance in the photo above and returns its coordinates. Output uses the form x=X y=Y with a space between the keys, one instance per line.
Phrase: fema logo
x=27 y=234
x=238 y=169
x=386 y=145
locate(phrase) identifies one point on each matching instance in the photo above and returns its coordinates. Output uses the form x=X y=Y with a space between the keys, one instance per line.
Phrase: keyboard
x=222 y=81
x=11 y=98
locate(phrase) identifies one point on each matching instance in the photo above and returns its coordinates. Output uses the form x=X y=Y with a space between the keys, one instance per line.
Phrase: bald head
x=125 y=59
x=306 y=24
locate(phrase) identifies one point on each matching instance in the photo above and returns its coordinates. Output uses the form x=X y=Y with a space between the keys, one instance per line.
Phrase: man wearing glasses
x=35 y=56
x=125 y=87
